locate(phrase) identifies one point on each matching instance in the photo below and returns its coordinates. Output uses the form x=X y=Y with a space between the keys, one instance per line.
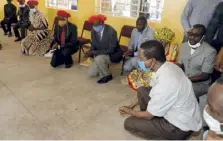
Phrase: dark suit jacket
x=24 y=14
x=10 y=12
x=71 y=35
x=108 y=45
x=216 y=24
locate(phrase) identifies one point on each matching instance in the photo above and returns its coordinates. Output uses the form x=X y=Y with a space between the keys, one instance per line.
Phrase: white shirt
x=192 y=51
x=173 y=98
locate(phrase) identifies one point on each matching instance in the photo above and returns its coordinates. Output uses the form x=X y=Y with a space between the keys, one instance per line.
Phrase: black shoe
x=5 y=33
x=18 y=39
x=10 y=34
x=105 y=79
x=68 y=66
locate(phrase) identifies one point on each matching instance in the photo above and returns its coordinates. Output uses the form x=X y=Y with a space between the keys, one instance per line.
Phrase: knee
x=127 y=67
x=99 y=59
x=128 y=124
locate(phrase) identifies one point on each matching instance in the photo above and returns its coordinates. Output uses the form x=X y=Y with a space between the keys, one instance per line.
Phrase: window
x=62 y=4
x=152 y=9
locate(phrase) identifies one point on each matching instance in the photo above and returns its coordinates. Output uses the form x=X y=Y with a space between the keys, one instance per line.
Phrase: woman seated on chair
x=37 y=41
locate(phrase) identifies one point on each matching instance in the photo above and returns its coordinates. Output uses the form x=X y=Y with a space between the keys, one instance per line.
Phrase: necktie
x=99 y=36
x=62 y=38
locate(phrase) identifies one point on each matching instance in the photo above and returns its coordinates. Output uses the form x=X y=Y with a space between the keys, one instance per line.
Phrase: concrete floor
x=39 y=102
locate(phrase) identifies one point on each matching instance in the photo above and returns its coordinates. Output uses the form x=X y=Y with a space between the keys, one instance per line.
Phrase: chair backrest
x=126 y=31
x=87 y=26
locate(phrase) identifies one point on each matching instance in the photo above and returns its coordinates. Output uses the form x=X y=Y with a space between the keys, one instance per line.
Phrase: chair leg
x=79 y=60
x=123 y=63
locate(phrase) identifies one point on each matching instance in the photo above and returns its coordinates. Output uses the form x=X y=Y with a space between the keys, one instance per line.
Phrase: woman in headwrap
x=36 y=43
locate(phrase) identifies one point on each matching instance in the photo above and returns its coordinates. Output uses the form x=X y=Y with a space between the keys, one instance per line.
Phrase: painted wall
x=171 y=17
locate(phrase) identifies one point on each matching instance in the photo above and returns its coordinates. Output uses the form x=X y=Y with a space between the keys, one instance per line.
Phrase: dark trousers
x=63 y=56
x=217 y=45
x=6 y=25
x=157 y=127
x=23 y=26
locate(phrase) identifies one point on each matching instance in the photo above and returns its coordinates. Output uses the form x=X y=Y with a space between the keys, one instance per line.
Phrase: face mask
x=22 y=5
x=196 y=45
x=98 y=28
x=62 y=23
x=212 y=123
x=143 y=67
x=33 y=10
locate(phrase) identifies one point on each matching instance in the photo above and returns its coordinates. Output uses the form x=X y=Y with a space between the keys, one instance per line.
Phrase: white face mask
x=212 y=123
x=33 y=10
x=22 y=5
x=196 y=45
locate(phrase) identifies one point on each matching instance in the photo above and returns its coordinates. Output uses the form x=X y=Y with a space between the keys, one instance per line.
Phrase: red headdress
x=99 y=17
x=32 y=2
x=63 y=13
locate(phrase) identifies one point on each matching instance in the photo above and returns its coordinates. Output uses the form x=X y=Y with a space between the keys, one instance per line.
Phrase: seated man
x=10 y=17
x=23 y=22
x=168 y=112
x=65 y=35
x=140 y=34
x=104 y=47
x=213 y=113
x=197 y=60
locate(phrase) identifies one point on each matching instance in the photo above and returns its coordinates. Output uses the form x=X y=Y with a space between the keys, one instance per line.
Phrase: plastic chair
x=125 y=32
x=83 y=41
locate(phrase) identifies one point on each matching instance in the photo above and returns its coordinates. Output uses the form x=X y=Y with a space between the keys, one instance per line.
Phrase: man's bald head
x=215 y=100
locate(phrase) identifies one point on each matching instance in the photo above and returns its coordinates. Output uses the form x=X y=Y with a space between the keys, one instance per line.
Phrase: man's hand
x=31 y=28
x=219 y=61
x=90 y=54
x=128 y=53
x=124 y=110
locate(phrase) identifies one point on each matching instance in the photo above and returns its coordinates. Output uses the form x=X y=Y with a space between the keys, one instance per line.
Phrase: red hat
x=32 y=2
x=99 y=17
x=63 y=13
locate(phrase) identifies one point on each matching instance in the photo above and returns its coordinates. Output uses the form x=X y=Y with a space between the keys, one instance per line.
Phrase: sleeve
x=162 y=100
x=215 y=23
x=5 y=14
x=131 y=43
x=151 y=34
x=208 y=64
x=73 y=39
x=185 y=16
x=92 y=41
x=180 y=59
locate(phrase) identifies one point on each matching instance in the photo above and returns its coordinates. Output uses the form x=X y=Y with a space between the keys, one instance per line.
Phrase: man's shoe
x=68 y=66
x=10 y=34
x=105 y=79
x=18 y=39
x=5 y=33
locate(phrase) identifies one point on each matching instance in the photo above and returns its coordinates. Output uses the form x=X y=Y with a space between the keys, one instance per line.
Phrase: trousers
x=23 y=27
x=6 y=25
x=157 y=127
x=130 y=64
x=100 y=66
x=62 y=56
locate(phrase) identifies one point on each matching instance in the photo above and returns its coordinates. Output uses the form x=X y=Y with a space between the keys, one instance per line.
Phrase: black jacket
x=216 y=24
x=23 y=14
x=71 y=35
x=10 y=12
x=108 y=45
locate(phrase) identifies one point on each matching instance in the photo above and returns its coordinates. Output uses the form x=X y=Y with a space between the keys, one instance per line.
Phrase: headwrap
x=32 y=3
x=63 y=13
x=99 y=17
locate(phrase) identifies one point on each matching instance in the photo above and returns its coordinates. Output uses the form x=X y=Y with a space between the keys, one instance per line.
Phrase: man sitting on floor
x=10 y=17
x=105 y=48
x=169 y=109
x=23 y=22
x=65 y=35
x=140 y=34
x=213 y=113
x=197 y=60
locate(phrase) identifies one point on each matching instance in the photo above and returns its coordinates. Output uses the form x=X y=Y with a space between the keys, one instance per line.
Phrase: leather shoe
x=105 y=79
x=18 y=39
x=68 y=66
